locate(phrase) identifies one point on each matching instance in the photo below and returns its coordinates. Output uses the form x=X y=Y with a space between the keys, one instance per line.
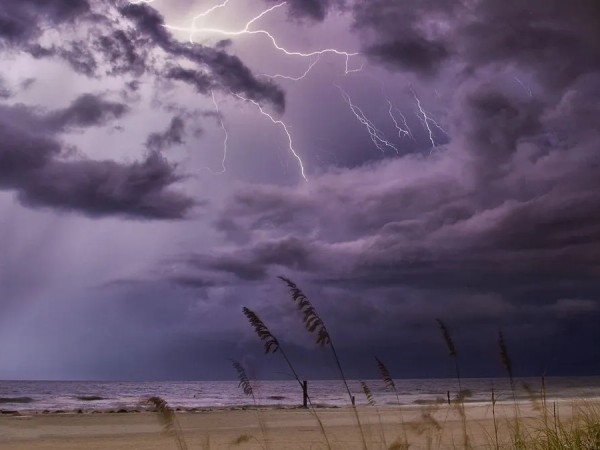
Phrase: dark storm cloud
x=200 y=80
x=403 y=35
x=226 y=70
x=253 y=263
x=413 y=53
x=499 y=227
x=100 y=188
x=535 y=35
x=117 y=47
x=502 y=204
x=421 y=35
x=120 y=39
x=173 y=135
x=122 y=53
x=312 y=9
x=23 y=19
x=32 y=164
x=86 y=111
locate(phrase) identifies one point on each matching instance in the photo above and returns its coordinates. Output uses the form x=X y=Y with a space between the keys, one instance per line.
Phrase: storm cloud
x=488 y=219
x=33 y=164
x=501 y=222
x=114 y=46
x=312 y=9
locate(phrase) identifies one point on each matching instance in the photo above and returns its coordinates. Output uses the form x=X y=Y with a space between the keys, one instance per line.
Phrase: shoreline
x=143 y=408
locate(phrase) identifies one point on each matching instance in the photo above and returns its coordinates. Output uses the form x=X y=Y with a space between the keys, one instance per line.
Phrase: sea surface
x=114 y=395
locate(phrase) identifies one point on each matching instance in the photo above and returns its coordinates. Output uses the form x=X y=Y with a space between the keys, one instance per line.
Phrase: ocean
x=115 y=395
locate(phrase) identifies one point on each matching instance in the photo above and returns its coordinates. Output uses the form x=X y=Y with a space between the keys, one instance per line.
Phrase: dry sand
x=285 y=428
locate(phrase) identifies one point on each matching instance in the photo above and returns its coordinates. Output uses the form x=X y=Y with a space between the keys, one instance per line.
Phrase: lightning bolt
x=204 y=14
x=377 y=137
x=298 y=78
x=193 y=30
x=428 y=121
x=224 y=132
x=283 y=126
x=524 y=86
x=402 y=132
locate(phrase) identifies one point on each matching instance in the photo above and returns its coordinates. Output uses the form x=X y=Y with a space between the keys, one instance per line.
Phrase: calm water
x=86 y=395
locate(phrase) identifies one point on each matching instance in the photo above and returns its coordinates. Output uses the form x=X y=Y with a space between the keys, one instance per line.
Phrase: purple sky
x=130 y=239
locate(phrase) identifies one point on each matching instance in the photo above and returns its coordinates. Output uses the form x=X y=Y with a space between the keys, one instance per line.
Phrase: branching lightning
x=194 y=30
x=428 y=121
x=226 y=138
x=298 y=78
x=280 y=124
x=377 y=137
x=402 y=132
x=204 y=14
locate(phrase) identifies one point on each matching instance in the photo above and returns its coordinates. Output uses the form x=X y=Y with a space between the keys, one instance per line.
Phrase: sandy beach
x=440 y=426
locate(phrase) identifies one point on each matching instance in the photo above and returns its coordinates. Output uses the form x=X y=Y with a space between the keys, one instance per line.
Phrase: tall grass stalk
x=371 y=401
x=451 y=350
x=170 y=423
x=249 y=391
x=271 y=345
x=453 y=353
x=507 y=364
x=386 y=376
x=544 y=401
x=314 y=324
x=494 y=400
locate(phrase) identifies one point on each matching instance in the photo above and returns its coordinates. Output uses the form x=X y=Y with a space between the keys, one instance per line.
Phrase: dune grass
x=271 y=345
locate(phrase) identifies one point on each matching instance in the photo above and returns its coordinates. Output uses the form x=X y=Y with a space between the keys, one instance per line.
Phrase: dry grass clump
x=241 y=439
x=581 y=433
